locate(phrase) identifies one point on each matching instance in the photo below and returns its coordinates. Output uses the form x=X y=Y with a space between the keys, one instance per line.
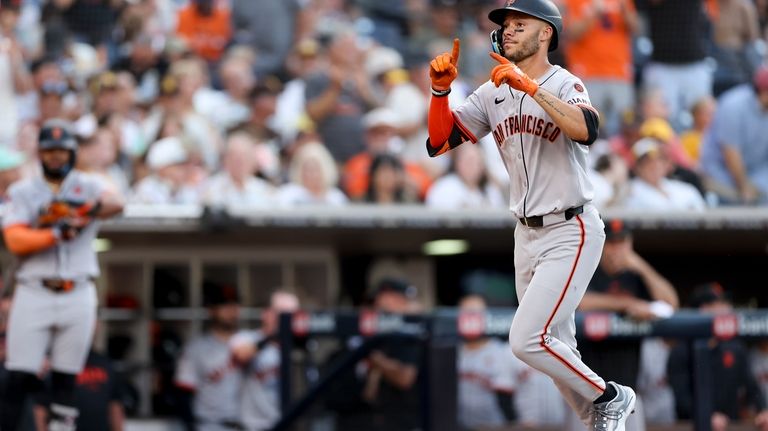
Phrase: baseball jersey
x=482 y=373
x=261 y=388
x=74 y=259
x=206 y=367
x=547 y=170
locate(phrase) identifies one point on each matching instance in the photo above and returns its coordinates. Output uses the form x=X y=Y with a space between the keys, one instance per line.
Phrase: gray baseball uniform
x=555 y=255
x=206 y=367
x=41 y=317
x=261 y=388
x=482 y=373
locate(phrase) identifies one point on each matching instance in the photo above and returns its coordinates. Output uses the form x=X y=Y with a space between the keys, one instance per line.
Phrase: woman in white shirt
x=467 y=183
x=313 y=177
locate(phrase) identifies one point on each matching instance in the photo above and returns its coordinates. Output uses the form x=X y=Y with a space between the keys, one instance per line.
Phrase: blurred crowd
x=259 y=103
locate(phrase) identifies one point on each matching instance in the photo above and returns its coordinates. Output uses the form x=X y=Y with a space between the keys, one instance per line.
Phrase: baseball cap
x=395 y=285
x=760 y=78
x=645 y=147
x=10 y=158
x=382 y=59
x=166 y=152
x=219 y=294
x=616 y=229
x=380 y=117
x=707 y=293
x=658 y=128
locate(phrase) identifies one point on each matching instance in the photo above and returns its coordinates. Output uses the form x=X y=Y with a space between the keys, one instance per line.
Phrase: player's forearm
x=602 y=302
x=116 y=416
x=23 y=240
x=658 y=286
x=439 y=121
x=569 y=118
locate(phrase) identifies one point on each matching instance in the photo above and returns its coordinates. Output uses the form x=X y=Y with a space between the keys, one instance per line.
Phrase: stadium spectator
x=290 y=111
x=467 y=184
x=98 y=154
x=681 y=165
x=230 y=106
x=144 y=62
x=10 y=170
x=624 y=283
x=169 y=162
x=313 y=177
x=702 y=113
x=380 y=138
x=14 y=75
x=237 y=185
x=678 y=69
x=268 y=27
x=598 y=48
x=737 y=390
x=388 y=182
x=610 y=180
x=205 y=25
x=338 y=98
x=734 y=155
x=651 y=189
x=733 y=44
x=485 y=374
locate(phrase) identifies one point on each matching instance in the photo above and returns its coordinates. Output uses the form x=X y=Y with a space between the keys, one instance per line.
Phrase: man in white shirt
x=651 y=189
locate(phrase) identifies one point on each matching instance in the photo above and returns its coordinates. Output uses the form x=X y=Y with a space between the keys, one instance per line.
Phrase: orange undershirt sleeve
x=22 y=239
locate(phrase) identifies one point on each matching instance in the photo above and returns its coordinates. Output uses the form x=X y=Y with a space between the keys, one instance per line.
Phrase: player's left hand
x=508 y=72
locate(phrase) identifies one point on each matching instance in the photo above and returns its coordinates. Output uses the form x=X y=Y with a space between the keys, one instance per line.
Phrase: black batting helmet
x=544 y=10
x=56 y=134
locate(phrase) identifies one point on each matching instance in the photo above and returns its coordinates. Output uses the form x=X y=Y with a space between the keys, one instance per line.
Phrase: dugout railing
x=440 y=333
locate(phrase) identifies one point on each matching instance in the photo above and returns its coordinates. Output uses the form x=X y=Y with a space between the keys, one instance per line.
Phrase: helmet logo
x=509 y=3
x=56 y=133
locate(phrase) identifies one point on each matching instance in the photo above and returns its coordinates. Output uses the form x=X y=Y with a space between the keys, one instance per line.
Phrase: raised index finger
x=455 y=52
x=499 y=58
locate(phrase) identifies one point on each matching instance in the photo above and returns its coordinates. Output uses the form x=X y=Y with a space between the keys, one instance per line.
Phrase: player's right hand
x=443 y=70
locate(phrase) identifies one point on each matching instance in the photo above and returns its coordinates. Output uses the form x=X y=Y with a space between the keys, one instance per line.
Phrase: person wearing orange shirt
x=206 y=27
x=599 y=50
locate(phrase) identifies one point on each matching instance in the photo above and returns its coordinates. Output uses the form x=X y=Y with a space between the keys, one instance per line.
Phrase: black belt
x=538 y=221
x=58 y=285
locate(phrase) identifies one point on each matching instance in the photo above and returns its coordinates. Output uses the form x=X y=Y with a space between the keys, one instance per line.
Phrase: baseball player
x=50 y=225
x=543 y=124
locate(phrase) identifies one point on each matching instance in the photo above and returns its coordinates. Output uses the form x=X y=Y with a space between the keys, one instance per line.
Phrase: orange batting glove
x=508 y=72
x=443 y=70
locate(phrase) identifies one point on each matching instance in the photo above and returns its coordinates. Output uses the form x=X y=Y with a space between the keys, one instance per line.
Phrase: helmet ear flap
x=496 y=41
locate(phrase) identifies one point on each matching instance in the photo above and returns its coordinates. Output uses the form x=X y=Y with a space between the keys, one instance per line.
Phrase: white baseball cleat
x=612 y=415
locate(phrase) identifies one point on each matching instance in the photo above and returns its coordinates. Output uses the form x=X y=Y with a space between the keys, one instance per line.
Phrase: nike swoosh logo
x=497 y=100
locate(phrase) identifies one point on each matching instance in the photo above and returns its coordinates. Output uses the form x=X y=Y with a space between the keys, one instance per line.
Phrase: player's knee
x=520 y=345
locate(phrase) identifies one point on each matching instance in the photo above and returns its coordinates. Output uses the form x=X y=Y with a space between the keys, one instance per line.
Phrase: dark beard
x=224 y=326
x=528 y=48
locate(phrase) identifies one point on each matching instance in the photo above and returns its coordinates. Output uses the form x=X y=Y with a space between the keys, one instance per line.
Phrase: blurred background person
x=738 y=396
x=734 y=155
x=168 y=183
x=485 y=374
x=702 y=114
x=610 y=180
x=237 y=185
x=651 y=189
x=208 y=377
x=598 y=48
x=98 y=154
x=380 y=138
x=679 y=69
x=734 y=42
x=467 y=184
x=312 y=179
x=338 y=97
x=11 y=162
x=205 y=25
x=260 y=351
x=388 y=182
